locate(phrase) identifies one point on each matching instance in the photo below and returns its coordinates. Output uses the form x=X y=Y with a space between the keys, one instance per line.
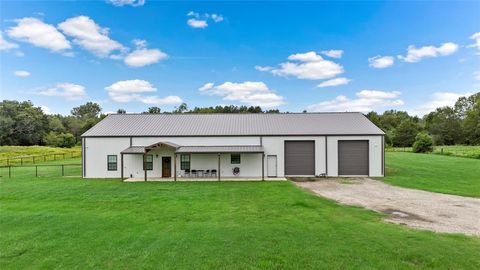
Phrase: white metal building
x=222 y=146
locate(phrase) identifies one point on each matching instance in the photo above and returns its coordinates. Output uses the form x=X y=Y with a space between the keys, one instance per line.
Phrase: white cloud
x=40 y=34
x=132 y=90
x=69 y=91
x=198 y=20
x=308 y=66
x=367 y=100
x=140 y=43
x=476 y=75
x=193 y=14
x=333 y=53
x=46 y=110
x=417 y=54
x=206 y=87
x=143 y=57
x=305 y=57
x=121 y=3
x=21 y=73
x=250 y=93
x=437 y=100
x=334 y=82
x=476 y=38
x=381 y=61
x=266 y=68
x=196 y=23
x=90 y=36
x=217 y=17
x=6 y=45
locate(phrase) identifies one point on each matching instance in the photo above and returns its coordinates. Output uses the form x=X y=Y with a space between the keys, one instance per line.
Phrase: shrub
x=59 y=139
x=423 y=143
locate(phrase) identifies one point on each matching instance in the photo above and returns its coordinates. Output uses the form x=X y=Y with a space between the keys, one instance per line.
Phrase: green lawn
x=445 y=174
x=106 y=224
x=72 y=167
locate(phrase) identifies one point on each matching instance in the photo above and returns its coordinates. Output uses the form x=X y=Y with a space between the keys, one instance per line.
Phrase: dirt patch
x=414 y=208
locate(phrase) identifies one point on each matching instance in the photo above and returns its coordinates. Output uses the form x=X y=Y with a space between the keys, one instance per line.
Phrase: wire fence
x=30 y=171
x=35 y=159
x=448 y=150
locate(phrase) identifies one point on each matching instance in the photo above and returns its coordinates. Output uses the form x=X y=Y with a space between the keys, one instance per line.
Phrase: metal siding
x=353 y=157
x=299 y=157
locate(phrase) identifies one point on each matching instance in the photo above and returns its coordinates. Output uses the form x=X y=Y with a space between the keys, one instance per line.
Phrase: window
x=185 y=162
x=149 y=162
x=235 y=158
x=112 y=162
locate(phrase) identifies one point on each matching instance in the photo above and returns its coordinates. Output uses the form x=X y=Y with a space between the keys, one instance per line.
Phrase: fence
x=30 y=171
x=38 y=158
x=448 y=150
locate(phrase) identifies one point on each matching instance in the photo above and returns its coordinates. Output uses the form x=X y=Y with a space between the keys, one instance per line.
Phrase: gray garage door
x=299 y=158
x=352 y=157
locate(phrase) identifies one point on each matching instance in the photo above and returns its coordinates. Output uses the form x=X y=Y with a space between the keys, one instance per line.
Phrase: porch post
x=263 y=166
x=175 y=167
x=121 y=164
x=218 y=166
x=145 y=166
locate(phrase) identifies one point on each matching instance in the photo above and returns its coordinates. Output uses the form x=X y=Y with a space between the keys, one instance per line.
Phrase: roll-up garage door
x=353 y=158
x=299 y=158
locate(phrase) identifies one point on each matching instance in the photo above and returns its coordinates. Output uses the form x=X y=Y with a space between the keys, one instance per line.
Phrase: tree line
x=22 y=123
x=458 y=124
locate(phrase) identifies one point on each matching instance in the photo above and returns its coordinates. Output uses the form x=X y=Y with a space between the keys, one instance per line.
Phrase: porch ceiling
x=197 y=149
x=221 y=149
x=144 y=149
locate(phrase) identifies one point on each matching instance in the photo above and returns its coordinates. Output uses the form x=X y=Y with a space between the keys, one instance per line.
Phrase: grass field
x=445 y=174
x=106 y=224
x=468 y=151
x=42 y=154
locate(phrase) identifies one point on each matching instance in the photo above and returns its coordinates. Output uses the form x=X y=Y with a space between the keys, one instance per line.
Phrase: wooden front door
x=166 y=166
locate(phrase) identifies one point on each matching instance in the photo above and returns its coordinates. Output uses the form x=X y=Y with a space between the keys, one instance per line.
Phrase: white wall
x=375 y=153
x=196 y=141
x=97 y=149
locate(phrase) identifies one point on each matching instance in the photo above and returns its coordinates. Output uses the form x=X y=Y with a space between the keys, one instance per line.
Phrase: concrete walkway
x=414 y=208
x=201 y=179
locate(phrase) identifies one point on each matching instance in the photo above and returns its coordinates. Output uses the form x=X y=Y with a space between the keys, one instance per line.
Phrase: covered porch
x=167 y=161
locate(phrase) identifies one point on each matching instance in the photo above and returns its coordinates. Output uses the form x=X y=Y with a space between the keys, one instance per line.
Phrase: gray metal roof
x=134 y=150
x=118 y=125
x=221 y=149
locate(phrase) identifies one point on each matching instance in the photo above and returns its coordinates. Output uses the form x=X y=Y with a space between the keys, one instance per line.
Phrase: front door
x=272 y=166
x=166 y=166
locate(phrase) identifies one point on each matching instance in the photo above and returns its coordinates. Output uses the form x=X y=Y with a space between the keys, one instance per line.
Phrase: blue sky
x=315 y=56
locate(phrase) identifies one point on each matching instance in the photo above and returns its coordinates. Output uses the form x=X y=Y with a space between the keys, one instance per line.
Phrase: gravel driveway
x=414 y=208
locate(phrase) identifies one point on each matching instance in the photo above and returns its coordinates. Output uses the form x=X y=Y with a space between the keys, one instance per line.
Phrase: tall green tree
x=181 y=108
x=404 y=134
x=471 y=124
x=153 y=110
x=87 y=111
x=21 y=123
x=445 y=125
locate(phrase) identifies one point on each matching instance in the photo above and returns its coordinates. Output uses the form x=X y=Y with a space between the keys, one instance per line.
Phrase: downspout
x=84 y=158
x=326 y=155
x=263 y=159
